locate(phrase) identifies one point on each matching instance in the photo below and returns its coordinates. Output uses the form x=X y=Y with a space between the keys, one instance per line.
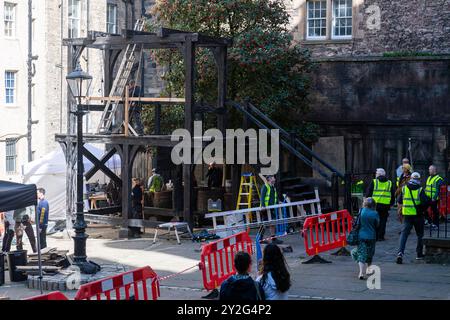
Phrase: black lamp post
x=79 y=83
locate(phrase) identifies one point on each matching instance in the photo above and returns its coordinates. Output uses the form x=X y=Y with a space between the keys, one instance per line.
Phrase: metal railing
x=300 y=150
x=253 y=217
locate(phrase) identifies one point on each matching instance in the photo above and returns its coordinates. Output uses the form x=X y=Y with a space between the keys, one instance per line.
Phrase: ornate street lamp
x=79 y=83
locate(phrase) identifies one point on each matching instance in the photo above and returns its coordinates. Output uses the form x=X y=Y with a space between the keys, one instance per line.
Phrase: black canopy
x=16 y=195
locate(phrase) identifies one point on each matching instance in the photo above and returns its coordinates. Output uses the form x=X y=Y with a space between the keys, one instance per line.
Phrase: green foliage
x=264 y=64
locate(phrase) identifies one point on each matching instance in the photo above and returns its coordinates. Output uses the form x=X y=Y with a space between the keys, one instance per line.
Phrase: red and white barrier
x=444 y=200
x=217 y=258
x=326 y=232
x=139 y=284
x=55 y=295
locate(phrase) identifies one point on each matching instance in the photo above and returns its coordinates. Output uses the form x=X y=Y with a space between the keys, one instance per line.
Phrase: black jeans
x=435 y=210
x=30 y=234
x=43 y=237
x=7 y=239
x=383 y=212
x=409 y=222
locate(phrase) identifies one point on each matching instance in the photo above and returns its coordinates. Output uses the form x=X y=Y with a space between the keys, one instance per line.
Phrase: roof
x=16 y=195
x=163 y=38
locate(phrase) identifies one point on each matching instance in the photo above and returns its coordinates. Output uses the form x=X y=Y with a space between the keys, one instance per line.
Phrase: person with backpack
x=275 y=278
x=241 y=286
x=412 y=203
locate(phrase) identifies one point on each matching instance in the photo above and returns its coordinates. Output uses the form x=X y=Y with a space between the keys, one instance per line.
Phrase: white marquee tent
x=49 y=172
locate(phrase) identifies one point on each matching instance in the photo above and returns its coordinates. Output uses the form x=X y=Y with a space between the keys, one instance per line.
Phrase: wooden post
x=189 y=64
x=126 y=115
x=126 y=190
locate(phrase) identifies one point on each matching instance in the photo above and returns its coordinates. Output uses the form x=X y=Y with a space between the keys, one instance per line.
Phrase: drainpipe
x=126 y=13
x=30 y=77
x=61 y=76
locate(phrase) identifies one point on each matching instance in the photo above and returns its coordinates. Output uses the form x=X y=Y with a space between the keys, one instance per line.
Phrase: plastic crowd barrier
x=56 y=295
x=137 y=284
x=326 y=232
x=444 y=200
x=217 y=258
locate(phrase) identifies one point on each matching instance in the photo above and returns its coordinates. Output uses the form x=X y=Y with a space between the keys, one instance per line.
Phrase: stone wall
x=378 y=104
x=381 y=26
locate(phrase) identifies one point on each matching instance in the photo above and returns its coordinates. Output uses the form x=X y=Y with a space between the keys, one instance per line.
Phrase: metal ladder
x=118 y=87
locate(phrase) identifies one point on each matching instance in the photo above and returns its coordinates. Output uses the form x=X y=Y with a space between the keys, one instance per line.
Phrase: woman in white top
x=274 y=278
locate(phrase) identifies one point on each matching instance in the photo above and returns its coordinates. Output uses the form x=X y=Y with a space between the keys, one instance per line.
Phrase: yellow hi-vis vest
x=267 y=197
x=408 y=208
x=431 y=189
x=382 y=191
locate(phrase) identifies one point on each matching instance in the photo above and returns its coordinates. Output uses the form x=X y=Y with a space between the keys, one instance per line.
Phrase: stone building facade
x=53 y=20
x=373 y=27
x=381 y=82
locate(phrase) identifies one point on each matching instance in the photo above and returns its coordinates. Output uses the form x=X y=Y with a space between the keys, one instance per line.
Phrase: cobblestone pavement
x=337 y=280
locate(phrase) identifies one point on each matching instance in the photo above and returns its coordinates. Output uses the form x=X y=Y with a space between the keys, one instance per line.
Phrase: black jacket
x=214 y=176
x=239 y=287
x=369 y=191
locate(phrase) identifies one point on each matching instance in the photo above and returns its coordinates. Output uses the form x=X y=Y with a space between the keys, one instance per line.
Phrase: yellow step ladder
x=247 y=193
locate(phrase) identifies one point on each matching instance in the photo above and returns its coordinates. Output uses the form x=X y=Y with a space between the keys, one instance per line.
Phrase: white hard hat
x=415 y=175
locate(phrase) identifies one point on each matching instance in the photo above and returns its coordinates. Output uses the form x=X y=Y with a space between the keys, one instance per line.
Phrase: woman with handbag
x=366 y=227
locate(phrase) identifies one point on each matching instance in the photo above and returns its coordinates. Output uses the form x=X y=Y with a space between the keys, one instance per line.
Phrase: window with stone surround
x=10 y=87
x=328 y=19
x=9 y=10
x=316 y=19
x=342 y=19
x=74 y=18
x=111 y=18
x=11 y=155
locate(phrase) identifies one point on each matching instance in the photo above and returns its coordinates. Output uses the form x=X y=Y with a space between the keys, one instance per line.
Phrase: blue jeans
x=408 y=223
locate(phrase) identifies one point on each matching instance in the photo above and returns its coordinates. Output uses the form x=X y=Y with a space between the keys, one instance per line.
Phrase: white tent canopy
x=49 y=172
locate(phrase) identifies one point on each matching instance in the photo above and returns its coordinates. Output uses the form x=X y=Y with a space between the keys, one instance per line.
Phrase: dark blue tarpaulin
x=16 y=195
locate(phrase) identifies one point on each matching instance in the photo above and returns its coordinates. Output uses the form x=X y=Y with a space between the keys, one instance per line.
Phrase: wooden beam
x=108 y=155
x=101 y=166
x=116 y=139
x=106 y=210
x=126 y=191
x=126 y=111
x=138 y=99
x=189 y=65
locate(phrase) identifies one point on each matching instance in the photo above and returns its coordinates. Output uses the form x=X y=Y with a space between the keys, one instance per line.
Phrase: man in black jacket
x=382 y=191
x=241 y=286
x=214 y=176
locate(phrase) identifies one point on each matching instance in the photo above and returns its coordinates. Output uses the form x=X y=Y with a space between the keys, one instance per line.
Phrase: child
x=241 y=286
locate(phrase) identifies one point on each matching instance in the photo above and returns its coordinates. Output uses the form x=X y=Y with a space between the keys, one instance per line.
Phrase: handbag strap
x=358 y=220
x=414 y=202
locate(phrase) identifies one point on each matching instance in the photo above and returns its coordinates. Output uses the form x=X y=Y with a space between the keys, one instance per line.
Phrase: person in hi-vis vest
x=269 y=197
x=432 y=189
x=412 y=202
x=382 y=190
